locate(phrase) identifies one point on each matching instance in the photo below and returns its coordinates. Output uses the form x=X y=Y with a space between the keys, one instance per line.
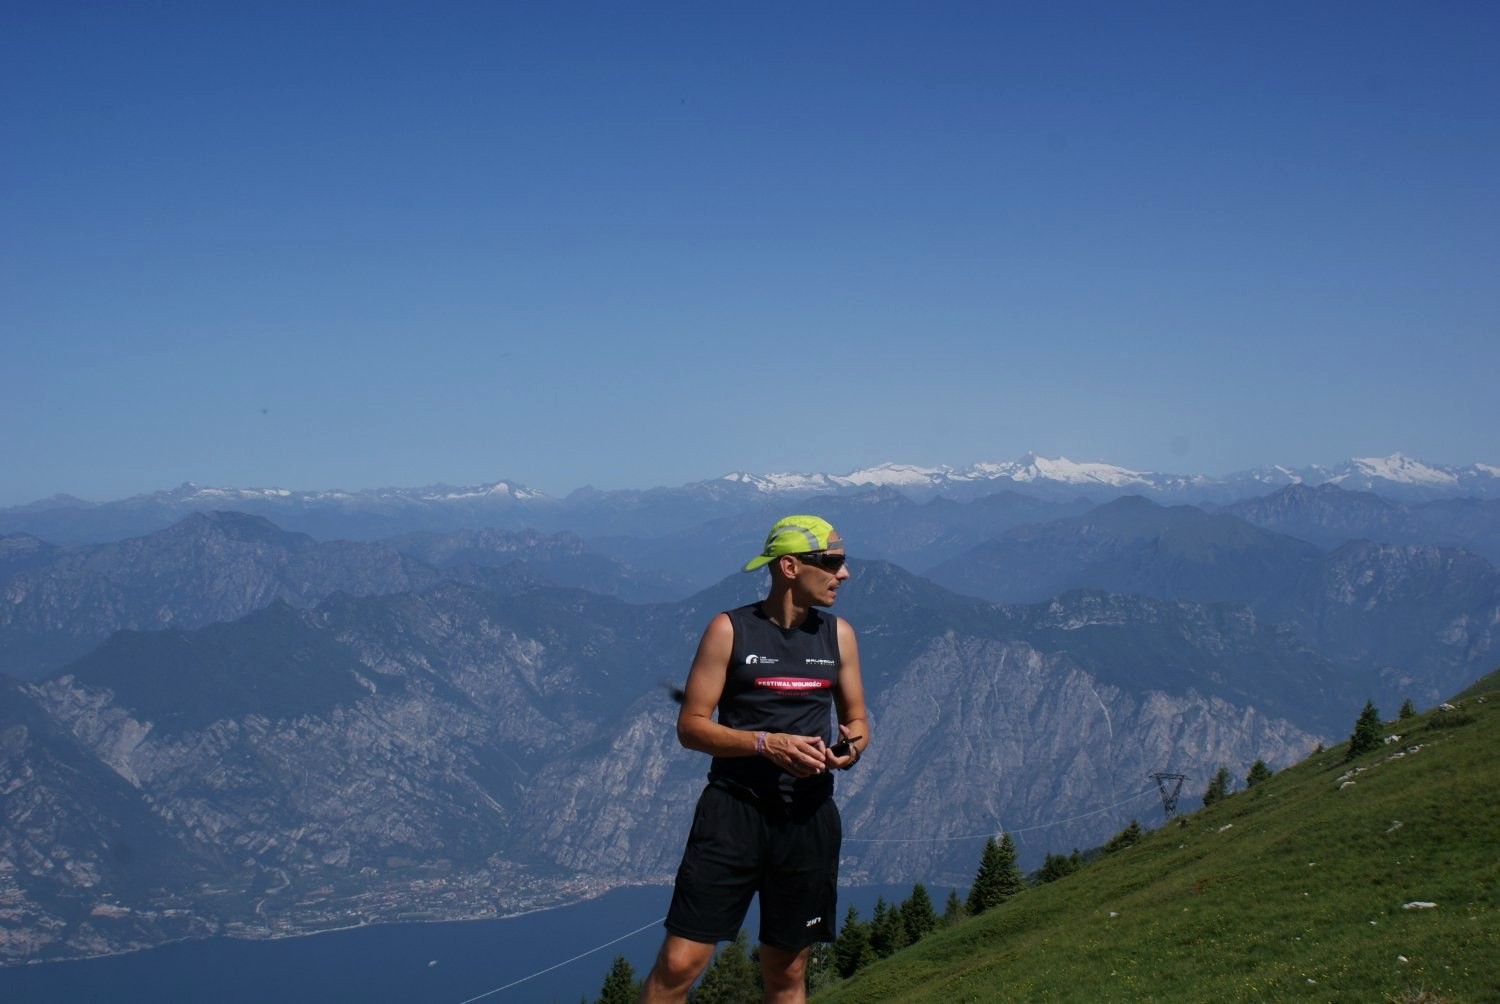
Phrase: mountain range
x=656 y=512
x=229 y=726
x=459 y=753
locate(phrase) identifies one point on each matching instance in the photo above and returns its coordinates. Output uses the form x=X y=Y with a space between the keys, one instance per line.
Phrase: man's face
x=814 y=580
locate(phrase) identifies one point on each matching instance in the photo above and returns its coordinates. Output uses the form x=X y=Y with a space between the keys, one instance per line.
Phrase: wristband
x=851 y=763
x=760 y=744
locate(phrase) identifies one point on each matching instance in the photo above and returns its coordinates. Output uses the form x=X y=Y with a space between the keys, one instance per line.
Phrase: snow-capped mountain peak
x=895 y=475
x=1400 y=469
x=784 y=482
x=500 y=489
x=1033 y=467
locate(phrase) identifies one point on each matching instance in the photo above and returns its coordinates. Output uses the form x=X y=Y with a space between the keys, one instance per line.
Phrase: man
x=766 y=823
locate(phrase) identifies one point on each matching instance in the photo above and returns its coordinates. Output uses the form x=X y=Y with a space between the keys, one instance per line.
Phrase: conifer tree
x=1258 y=773
x=982 y=893
x=917 y=915
x=619 y=986
x=953 y=909
x=1057 y=865
x=887 y=933
x=1218 y=788
x=851 y=950
x=998 y=878
x=1128 y=837
x=1408 y=710
x=1366 y=734
x=732 y=978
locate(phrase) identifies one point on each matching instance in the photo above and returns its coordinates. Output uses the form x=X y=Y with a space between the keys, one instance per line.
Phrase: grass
x=1294 y=890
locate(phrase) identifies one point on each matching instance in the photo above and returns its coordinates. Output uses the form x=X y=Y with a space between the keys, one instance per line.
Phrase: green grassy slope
x=1292 y=890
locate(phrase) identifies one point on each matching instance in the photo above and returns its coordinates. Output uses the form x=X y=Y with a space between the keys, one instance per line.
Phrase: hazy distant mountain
x=1396 y=476
x=209 y=567
x=879 y=523
x=1329 y=516
x=658 y=512
x=1425 y=619
x=1326 y=515
x=219 y=566
x=1413 y=620
x=561 y=559
x=1133 y=545
x=1472 y=524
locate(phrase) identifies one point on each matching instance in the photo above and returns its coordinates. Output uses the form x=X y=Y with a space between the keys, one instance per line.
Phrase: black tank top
x=778 y=680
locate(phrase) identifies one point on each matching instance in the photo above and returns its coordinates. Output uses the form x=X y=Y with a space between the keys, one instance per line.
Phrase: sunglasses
x=826 y=560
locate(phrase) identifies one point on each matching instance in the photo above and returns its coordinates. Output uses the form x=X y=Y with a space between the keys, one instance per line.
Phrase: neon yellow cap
x=794 y=535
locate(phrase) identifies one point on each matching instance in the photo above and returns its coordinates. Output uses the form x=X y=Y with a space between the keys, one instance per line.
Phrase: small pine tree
x=917 y=915
x=1011 y=879
x=887 y=932
x=732 y=978
x=982 y=893
x=953 y=909
x=1408 y=710
x=1057 y=865
x=998 y=878
x=1218 y=788
x=619 y=986
x=851 y=949
x=1128 y=837
x=1258 y=773
x=1366 y=734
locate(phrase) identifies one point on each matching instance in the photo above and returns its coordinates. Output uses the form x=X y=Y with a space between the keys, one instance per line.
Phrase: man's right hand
x=799 y=756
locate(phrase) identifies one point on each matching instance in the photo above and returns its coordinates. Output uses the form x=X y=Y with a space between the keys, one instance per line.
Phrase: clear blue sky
x=317 y=245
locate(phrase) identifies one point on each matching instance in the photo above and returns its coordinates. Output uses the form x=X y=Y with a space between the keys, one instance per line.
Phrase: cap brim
x=756 y=562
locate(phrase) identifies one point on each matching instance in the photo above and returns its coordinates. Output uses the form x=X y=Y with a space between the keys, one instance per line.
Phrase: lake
x=449 y=963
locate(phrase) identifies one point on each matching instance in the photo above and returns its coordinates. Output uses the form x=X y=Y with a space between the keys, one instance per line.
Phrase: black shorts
x=735 y=850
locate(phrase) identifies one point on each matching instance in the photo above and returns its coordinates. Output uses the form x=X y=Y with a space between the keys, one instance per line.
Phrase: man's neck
x=782 y=609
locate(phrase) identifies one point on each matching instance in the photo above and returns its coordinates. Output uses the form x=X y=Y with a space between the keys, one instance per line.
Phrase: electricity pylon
x=1169 y=798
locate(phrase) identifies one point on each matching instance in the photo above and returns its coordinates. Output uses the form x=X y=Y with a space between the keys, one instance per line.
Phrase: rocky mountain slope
x=457 y=752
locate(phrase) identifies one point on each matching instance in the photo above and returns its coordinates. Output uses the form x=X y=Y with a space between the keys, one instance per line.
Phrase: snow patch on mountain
x=503 y=489
x=188 y=490
x=895 y=475
x=785 y=482
x=1034 y=468
x=1399 y=469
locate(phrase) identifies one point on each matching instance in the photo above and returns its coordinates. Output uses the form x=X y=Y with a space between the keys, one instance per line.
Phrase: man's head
x=805 y=552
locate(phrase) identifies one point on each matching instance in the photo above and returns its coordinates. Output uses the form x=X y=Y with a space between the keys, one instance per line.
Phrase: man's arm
x=849 y=699
x=800 y=756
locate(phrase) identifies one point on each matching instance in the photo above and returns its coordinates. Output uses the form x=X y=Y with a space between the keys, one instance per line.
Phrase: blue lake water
x=393 y=963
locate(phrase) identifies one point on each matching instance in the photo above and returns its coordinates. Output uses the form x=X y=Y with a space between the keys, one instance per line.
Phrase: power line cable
x=543 y=972
x=981 y=836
